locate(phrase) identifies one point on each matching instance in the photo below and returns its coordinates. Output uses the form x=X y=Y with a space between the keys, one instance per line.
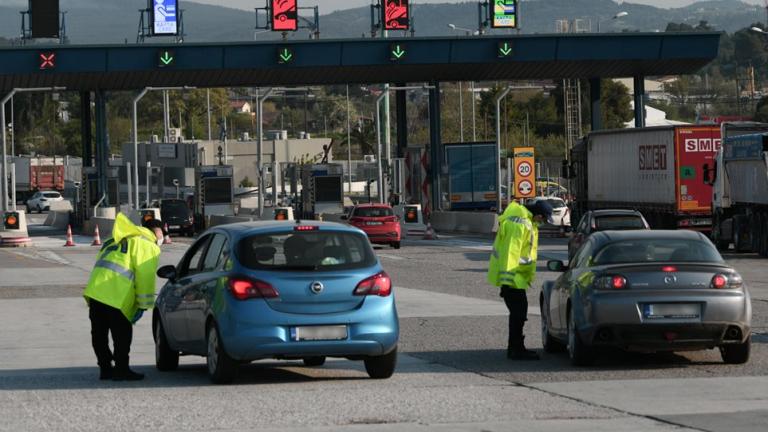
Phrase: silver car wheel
x=213 y=350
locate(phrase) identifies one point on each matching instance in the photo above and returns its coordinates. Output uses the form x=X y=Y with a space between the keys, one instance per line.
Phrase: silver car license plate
x=319 y=333
x=672 y=310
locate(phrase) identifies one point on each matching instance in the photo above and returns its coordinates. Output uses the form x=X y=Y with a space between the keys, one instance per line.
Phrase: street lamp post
x=498 y=149
x=259 y=141
x=621 y=14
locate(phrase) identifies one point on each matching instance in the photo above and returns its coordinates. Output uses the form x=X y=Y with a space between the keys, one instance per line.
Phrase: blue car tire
x=381 y=367
x=166 y=359
x=222 y=369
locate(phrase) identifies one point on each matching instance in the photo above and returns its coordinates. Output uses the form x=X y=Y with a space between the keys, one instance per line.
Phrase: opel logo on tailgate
x=670 y=279
x=316 y=287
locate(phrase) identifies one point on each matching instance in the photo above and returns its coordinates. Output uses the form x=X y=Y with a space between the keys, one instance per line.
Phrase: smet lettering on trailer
x=653 y=157
x=700 y=145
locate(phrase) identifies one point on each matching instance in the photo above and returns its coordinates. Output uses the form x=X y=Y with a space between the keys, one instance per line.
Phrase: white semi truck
x=739 y=180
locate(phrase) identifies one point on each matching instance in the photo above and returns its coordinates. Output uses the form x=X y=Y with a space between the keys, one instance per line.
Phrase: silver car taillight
x=727 y=281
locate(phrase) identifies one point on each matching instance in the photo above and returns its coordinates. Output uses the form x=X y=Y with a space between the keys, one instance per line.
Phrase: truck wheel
x=740 y=243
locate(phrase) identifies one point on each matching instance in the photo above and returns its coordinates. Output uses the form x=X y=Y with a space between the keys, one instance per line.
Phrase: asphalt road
x=452 y=373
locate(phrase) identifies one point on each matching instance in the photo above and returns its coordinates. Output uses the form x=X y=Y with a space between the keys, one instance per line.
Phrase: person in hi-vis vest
x=513 y=267
x=121 y=287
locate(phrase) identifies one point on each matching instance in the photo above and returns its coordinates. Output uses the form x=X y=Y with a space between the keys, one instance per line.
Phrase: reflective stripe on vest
x=525 y=222
x=109 y=265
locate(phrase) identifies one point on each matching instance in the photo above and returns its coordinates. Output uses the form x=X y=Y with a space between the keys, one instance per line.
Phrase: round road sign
x=524 y=169
x=524 y=187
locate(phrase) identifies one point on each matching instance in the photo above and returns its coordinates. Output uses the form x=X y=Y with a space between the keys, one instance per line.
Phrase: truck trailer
x=739 y=177
x=656 y=170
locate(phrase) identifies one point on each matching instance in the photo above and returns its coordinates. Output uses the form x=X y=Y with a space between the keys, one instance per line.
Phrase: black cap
x=543 y=208
x=153 y=223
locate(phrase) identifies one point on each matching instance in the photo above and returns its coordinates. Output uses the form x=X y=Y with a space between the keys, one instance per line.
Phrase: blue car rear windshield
x=306 y=251
x=657 y=251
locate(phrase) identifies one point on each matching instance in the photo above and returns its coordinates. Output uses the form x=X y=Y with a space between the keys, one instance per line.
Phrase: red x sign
x=47 y=60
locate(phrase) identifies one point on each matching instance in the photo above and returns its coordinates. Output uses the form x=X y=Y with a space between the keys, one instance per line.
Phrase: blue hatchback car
x=285 y=290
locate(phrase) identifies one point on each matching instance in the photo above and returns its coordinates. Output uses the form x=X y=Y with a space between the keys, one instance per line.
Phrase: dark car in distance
x=178 y=216
x=602 y=220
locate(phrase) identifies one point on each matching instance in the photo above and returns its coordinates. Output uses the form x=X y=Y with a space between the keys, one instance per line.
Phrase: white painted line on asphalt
x=392 y=257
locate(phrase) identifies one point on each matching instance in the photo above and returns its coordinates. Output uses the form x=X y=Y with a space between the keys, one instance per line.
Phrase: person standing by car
x=121 y=287
x=513 y=267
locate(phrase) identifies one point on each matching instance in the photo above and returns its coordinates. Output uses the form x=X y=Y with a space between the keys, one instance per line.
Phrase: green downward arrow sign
x=166 y=58
x=505 y=49
x=286 y=55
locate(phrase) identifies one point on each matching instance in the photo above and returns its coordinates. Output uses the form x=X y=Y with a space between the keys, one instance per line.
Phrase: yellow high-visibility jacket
x=513 y=259
x=124 y=274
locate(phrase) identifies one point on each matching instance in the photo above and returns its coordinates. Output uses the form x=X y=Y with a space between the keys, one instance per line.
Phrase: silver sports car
x=648 y=291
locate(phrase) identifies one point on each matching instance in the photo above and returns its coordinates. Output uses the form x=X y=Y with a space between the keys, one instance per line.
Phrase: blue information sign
x=164 y=15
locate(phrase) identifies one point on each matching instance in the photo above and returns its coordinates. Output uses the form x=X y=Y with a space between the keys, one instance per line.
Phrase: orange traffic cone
x=70 y=241
x=430 y=234
x=167 y=237
x=96 y=237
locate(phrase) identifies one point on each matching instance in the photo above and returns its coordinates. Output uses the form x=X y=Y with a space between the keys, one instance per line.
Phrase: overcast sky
x=327 y=6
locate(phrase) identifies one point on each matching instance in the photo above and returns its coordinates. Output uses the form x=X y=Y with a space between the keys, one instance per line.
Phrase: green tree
x=615 y=103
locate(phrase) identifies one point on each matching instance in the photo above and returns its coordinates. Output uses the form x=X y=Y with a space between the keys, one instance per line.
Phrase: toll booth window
x=218 y=191
x=328 y=189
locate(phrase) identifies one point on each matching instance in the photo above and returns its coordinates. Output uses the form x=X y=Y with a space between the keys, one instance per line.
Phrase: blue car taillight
x=379 y=284
x=244 y=289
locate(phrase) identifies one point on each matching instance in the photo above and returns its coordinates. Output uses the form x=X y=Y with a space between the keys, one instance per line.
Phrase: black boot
x=522 y=354
x=126 y=375
x=105 y=372
x=517 y=351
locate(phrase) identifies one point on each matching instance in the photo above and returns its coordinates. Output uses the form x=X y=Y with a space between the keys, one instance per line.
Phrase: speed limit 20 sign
x=525 y=174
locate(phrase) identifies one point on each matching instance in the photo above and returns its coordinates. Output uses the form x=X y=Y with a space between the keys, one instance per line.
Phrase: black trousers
x=105 y=320
x=517 y=304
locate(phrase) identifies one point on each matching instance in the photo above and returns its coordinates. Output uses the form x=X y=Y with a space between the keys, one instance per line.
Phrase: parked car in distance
x=378 y=221
x=647 y=291
x=41 y=201
x=601 y=220
x=178 y=216
x=303 y=290
x=561 y=214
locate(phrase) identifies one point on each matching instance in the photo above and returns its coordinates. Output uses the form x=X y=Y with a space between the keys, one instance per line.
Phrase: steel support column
x=102 y=143
x=401 y=117
x=86 y=134
x=595 y=90
x=639 y=101
x=435 y=146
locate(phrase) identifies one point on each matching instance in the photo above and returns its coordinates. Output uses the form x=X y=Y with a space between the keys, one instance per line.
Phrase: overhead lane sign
x=166 y=58
x=397 y=52
x=47 y=60
x=285 y=15
x=164 y=15
x=504 y=49
x=397 y=14
x=285 y=55
x=504 y=14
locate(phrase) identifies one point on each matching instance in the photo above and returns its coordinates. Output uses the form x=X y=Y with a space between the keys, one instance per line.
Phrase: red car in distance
x=378 y=221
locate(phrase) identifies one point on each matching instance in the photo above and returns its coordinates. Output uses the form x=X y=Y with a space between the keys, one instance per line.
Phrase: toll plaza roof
x=394 y=60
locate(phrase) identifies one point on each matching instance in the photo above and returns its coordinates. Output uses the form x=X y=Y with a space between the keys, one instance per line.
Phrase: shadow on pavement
x=73 y=378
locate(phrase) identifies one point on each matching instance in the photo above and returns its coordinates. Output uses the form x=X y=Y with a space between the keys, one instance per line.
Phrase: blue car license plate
x=672 y=310
x=311 y=333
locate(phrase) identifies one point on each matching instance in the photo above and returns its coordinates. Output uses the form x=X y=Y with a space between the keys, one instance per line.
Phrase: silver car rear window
x=306 y=251
x=657 y=250
x=51 y=194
